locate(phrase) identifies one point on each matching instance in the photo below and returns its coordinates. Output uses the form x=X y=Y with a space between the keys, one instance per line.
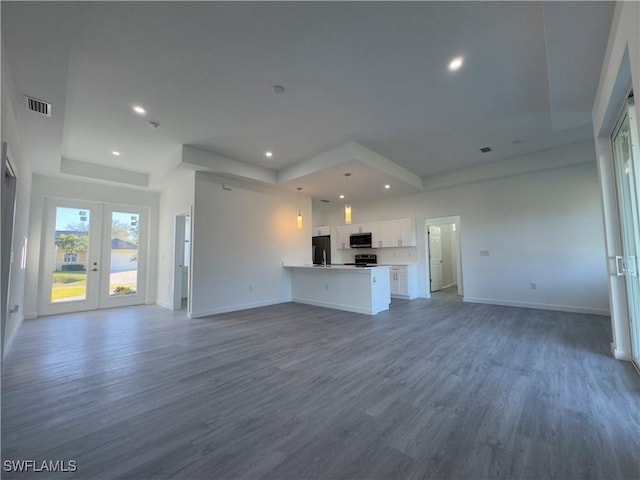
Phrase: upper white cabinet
x=343 y=234
x=390 y=233
x=407 y=237
x=321 y=231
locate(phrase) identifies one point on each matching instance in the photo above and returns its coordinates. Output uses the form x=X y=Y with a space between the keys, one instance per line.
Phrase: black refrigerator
x=321 y=250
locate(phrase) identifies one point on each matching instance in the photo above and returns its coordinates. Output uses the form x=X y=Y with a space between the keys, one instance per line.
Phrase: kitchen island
x=353 y=289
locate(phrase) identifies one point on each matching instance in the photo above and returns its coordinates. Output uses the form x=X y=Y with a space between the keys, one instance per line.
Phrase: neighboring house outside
x=63 y=258
x=124 y=254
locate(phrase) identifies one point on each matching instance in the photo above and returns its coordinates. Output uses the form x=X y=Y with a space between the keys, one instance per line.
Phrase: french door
x=626 y=154
x=94 y=256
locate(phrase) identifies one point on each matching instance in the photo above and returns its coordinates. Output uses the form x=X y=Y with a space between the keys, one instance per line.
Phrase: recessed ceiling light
x=387 y=186
x=341 y=196
x=117 y=154
x=268 y=154
x=455 y=64
x=139 y=109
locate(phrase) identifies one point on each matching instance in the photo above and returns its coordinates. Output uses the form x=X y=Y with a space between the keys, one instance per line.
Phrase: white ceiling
x=368 y=72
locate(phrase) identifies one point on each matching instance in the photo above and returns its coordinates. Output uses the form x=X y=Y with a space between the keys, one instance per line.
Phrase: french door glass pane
x=123 y=265
x=71 y=253
x=628 y=202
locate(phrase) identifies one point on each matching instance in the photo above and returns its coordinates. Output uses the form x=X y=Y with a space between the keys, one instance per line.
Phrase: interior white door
x=435 y=257
x=95 y=257
x=627 y=166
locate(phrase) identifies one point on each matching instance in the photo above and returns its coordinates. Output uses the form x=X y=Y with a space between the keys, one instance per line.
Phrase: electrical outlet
x=533 y=285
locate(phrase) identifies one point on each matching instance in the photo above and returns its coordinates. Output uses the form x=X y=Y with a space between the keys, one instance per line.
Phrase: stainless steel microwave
x=360 y=240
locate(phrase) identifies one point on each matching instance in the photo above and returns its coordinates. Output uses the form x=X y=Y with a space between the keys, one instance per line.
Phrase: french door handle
x=620 y=268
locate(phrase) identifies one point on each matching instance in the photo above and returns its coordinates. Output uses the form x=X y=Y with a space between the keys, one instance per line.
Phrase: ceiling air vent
x=485 y=149
x=38 y=106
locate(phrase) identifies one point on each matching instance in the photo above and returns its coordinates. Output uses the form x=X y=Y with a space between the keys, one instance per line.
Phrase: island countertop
x=336 y=266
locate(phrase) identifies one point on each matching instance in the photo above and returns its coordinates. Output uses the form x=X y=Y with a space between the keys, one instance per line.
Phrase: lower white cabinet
x=404 y=281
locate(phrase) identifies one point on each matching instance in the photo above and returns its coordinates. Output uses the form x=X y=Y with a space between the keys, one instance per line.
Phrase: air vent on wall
x=485 y=149
x=38 y=106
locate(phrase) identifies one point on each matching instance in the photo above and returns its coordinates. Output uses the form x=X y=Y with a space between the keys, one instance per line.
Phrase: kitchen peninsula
x=353 y=289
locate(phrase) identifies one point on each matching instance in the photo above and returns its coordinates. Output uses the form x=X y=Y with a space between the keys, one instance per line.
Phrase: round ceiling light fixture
x=116 y=153
x=139 y=109
x=268 y=154
x=387 y=186
x=455 y=64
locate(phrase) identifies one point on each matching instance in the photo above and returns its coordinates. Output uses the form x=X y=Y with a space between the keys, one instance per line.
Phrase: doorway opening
x=442 y=243
x=7 y=215
x=182 y=262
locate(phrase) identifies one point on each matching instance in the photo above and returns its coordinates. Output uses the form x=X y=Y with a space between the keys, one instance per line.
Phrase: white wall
x=541 y=227
x=11 y=135
x=176 y=199
x=44 y=187
x=241 y=238
x=620 y=71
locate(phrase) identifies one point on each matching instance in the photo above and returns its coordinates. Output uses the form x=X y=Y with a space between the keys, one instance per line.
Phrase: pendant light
x=347 y=205
x=299 y=220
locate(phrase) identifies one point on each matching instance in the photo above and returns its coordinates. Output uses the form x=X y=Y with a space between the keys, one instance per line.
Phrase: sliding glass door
x=627 y=165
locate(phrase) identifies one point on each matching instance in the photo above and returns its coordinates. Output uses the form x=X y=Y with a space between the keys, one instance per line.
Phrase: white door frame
x=454 y=219
x=98 y=260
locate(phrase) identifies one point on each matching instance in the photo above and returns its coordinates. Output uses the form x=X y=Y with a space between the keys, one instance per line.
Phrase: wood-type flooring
x=430 y=389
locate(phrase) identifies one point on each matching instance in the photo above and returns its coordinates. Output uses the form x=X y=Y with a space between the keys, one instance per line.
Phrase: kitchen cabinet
x=321 y=231
x=389 y=233
x=404 y=281
x=406 y=233
x=343 y=234
x=395 y=233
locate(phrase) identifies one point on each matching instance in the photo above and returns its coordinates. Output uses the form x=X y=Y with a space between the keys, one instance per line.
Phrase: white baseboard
x=539 y=306
x=10 y=340
x=346 y=308
x=31 y=316
x=165 y=304
x=619 y=354
x=235 y=308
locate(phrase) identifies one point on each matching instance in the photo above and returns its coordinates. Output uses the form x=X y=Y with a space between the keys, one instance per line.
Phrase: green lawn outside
x=67 y=285
x=73 y=285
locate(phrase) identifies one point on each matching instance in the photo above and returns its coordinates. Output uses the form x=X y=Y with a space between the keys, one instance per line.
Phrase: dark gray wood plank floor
x=431 y=389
